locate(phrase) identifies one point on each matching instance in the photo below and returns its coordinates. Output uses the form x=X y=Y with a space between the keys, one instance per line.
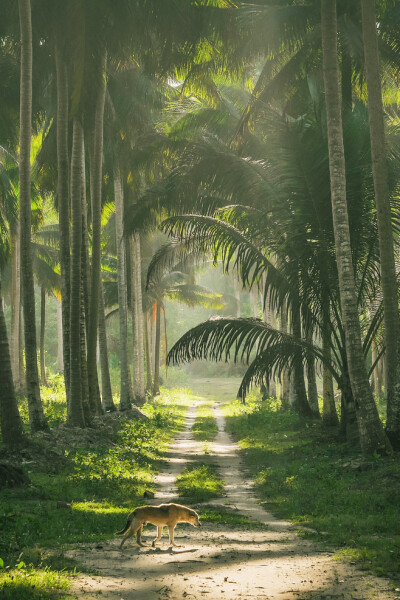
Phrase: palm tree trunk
x=15 y=308
x=43 y=379
x=96 y=182
x=301 y=404
x=137 y=321
x=60 y=353
x=329 y=413
x=312 y=382
x=149 y=381
x=107 y=398
x=156 y=383
x=125 y=399
x=36 y=414
x=384 y=219
x=372 y=436
x=76 y=416
x=285 y=377
x=63 y=208
x=12 y=432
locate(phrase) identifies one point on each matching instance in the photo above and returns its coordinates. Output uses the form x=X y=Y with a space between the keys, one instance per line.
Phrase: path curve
x=269 y=562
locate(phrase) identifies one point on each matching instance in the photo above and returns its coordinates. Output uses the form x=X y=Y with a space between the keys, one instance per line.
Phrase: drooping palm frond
x=226 y=244
x=173 y=255
x=222 y=338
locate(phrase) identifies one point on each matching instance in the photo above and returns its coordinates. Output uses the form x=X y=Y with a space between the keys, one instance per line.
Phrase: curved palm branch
x=222 y=338
x=224 y=242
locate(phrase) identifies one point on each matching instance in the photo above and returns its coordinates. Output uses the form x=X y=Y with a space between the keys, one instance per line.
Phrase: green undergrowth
x=87 y=500
x=200 y=482
x=306 y=474
x=205 y=427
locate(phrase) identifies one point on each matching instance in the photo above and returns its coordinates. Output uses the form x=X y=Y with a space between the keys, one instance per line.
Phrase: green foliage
x=306 y=475
x=87 y=501
x=200 y=482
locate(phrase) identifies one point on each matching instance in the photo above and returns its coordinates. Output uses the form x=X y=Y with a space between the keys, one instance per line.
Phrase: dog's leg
x=159 y=534
x=134 y=526
x=139 y=536
x=171 y=536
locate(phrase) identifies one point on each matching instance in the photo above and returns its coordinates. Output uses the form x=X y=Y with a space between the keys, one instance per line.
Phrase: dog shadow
x=169 y=550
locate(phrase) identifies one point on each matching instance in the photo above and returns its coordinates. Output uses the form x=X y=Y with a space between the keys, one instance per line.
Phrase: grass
x=200 y=482
x=101 y=484
x=304 y=473
x=205 y=426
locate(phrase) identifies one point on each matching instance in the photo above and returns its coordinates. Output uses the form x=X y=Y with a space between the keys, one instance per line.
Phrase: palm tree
x=125 y=400
x=36 y=414
x=10 y=421
x=372 y=436
x=75 y=405
x=384 y=219
x=63 y=205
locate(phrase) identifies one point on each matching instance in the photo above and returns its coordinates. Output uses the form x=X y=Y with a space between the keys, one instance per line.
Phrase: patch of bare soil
x=269 y=562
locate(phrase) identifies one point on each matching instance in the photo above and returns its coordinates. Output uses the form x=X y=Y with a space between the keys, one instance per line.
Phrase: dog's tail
x=128 y=524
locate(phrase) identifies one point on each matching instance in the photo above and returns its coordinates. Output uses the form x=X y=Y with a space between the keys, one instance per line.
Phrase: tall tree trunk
x=36 y=414
x=149 y=381
x=15 y=308
x=90 y=400
x=107 y=398
x=285 y=376
x=312 y=381
x=87 y=409
x=125 y=397
x=96 y=182
x=156 y=383
x=43 y=379
x=372 y=436
x=329 y=413
x=384 y=219
x=63 y=207
x=301 y=404
x=76 y=416
x=60 y=352
x=137 y=321
x=377 y=373
x=12 y=432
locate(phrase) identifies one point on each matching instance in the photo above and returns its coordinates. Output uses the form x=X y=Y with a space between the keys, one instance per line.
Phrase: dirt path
x=269 y=562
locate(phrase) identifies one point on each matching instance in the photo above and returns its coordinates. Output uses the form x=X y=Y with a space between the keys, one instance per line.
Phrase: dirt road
x=268 y=561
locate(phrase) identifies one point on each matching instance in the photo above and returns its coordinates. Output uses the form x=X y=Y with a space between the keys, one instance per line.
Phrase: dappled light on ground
x=241 y=551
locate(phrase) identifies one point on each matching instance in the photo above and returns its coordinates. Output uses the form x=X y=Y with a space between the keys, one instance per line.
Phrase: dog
x=163 y=515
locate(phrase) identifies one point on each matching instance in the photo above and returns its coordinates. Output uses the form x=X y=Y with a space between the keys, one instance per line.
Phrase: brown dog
x=163 y=515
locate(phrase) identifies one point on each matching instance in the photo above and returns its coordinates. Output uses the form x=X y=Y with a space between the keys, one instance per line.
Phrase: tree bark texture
x=36 y=414
x=312 y=382
x=15 y=334
x=384 y=219
x=285 y=376
x=125 y=398
x=107 y=397
x=149 y=379
x=96 y=181
x=60 y=351
x=301 y=404
x=43 y=379
x=156 y=383
x=12 y=432
x=137 y=321
x=63 y=208
x=76 y=416
x=329 y=413
x=372 y=436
